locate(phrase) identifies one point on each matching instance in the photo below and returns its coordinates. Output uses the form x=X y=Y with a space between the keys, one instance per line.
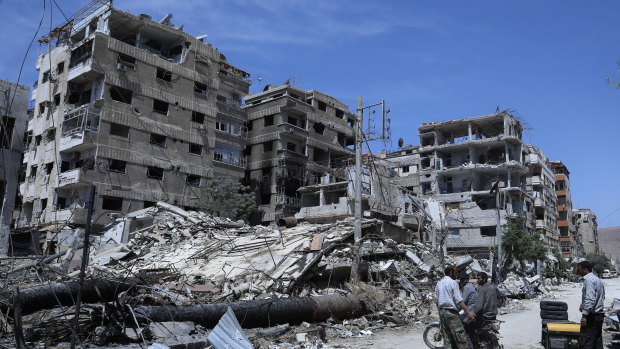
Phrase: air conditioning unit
x=203 y=128
x=121 y=66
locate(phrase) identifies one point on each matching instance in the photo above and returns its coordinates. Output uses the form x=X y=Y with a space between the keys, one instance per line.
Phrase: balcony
x=289 y=154
x=563 y=223
x=293 y=130
x=230 y=159
x=537 y=181
x=565 y=238
x=232 y=110
x=538 y=202
x=75 y=215
x=84 y=71
x=540 y=224
x=72 y=178
x=79 y=127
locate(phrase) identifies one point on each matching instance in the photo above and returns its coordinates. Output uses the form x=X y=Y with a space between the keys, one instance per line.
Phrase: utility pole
x=85 y=253
x=359 y=140
x=498 y=232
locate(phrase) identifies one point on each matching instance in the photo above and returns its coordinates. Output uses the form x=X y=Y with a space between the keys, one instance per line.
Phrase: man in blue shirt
x=469 y=298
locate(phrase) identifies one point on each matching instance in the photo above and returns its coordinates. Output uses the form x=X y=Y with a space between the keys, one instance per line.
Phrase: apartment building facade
x=136 y=107
x=587 y=229
x=13 y=119
x=295 y=138
x=475 y=167
x=541 y=185
x=569 y=240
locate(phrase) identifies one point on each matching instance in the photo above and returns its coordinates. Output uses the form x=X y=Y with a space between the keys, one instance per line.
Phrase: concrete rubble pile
x=183 y=269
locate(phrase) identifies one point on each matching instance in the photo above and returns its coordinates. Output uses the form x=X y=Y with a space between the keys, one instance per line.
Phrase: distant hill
x=609 y=241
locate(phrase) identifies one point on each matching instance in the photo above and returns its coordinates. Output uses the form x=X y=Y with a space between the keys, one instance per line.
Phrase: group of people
x=481 y=304
x=478 y=304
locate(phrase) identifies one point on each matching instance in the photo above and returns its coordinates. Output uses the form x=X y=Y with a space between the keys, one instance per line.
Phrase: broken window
x=119 y=130
x=195 y=149
x=221 y=98
x=120 y=94
x=43 y=204
x=267 y=146
x=60 y=68
x=158 y=140
x=221 y=125
x=50 y=135
x=405 y=169
x=41 y=108
x=37 y=140
x=339 y=114
x=490 y=230
x=155 y=172
x=200 y=88
x=268 y=120
x=148 y=204
x=115 y=165
x=61 y=203
x=291 y=120
x=56 y=100
x=46 y=77
x=48 y=168
x=198 y=117
x=192 y=180
x=81 y=54
x=164 y=74
x=6 y=132
x=291 y=146
x=322 y=106
x=454 y=231
x=33 y=171
x=249 y=125
x=111 y=203
x=160 y=106
x=125 y=61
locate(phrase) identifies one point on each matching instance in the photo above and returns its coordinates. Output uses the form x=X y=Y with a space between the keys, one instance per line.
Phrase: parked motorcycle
x=488 y=335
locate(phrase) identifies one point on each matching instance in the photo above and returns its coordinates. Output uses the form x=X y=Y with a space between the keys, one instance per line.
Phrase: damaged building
x=295 y=138
x=541 y=185
x=136 y=107
x=403 y=216
x=470 y=166
x=587 y=229
x=570 y=244
x=14 y=117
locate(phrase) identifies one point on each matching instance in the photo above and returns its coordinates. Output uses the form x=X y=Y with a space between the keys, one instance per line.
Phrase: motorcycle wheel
x=487 y=342
x=432 y=336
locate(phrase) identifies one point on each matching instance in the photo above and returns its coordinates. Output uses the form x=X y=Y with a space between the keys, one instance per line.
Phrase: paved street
x=522 y=329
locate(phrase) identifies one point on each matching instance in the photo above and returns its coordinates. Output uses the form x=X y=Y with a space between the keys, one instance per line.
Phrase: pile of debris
x=182 y=267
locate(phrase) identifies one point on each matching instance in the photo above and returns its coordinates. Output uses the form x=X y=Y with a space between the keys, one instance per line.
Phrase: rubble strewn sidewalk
x=181 y=270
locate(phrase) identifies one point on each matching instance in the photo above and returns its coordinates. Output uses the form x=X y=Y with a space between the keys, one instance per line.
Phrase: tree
x=614 y=83
x=599 y=262
x=520 y=245
x=228 y=198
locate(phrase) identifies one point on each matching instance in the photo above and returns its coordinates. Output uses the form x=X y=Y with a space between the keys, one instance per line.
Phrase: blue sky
x=430 y=61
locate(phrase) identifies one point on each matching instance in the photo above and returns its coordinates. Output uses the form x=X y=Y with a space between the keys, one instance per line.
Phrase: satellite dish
x=400 y=142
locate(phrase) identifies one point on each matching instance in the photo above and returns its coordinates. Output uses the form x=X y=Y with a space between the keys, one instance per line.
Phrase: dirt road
x=522 y=329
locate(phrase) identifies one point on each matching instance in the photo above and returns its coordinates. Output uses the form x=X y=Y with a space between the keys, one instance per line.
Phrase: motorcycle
x=488 y=335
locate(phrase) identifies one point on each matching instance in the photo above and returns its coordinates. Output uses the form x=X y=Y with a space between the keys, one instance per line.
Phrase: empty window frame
x=291 y=146
x=195 y=149
x=60 y=67
x=46 y=77
x=267 y=146
x=117 y=166
x=339 y=114
x=48 y=168
x=488 y=231
x=126 y=61
x=160 y=106
x=322 y=106
x=119 y=130
x=200 y=88
x=221 y=98
x=221 y=125
x=155 y=172
x=192 y=180
x=158 y=140
x=120 y=94
x=268 y=120
x=111 y=203
x=319 y=128
x=198 y=117
x=164 y=74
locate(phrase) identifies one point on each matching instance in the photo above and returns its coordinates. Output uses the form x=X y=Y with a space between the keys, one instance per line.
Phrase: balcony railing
x=229 y=158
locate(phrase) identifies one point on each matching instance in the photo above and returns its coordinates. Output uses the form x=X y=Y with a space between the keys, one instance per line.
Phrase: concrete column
x=7 y=214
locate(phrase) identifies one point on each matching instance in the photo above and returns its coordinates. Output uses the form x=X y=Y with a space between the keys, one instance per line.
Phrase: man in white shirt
x=592 y=308
x=448 y=296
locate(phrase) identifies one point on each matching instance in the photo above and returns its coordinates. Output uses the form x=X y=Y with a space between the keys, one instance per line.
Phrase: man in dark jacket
x=486 y=304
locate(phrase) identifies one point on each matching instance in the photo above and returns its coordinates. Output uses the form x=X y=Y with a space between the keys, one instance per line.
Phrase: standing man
x=469 y=298
x=486 y=304
x=448 y=296
x=592 y=310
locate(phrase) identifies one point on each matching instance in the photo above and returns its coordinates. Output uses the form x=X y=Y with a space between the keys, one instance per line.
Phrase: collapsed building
x=475 y=168
x=587 y=229
x=137 y=107
x=295 y=138
x=14 y=117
